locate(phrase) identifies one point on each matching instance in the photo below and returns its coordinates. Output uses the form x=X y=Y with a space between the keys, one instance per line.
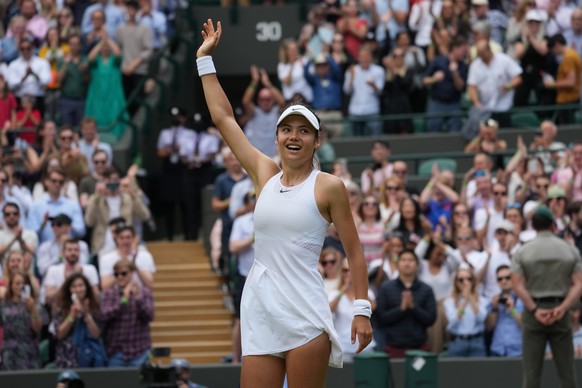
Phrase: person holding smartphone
x=109 y=201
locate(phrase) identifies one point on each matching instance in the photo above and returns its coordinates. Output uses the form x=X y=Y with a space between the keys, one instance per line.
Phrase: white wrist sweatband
x=362 y=307
x=205 y=65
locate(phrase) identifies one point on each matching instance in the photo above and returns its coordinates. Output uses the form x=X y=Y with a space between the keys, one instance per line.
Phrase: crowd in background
x=74 y=275
x=361 y=59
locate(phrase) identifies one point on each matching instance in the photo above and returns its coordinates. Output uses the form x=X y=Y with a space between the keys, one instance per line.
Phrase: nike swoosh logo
x=284 y=191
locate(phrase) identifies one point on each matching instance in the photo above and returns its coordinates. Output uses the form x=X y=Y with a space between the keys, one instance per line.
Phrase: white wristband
x=205 y=65
x=362 y=307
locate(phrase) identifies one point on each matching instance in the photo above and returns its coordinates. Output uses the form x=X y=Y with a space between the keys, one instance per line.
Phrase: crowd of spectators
x=74 y=273
x=361 y=59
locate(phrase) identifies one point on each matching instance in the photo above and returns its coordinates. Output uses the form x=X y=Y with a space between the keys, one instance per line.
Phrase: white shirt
x=49 y=253
x=490 y=285
x=421 y=20
x=28 y=236
x=481 y=219
x=364 y=100
x=208 y=144
x=144 y=261
x=31 y=85
x=174 y=135
x=489 y=78
x=242 y=229
x=298 y=83
x=55 y=277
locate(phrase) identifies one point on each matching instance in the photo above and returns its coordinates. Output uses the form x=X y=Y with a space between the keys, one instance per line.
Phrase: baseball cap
x=61 y=218
x=556 y=191
x=67 y=375
x=544 y=211
x=180 y=363
x=302 y=111
x=320 y=59
x=504 y=225
x=535 y=15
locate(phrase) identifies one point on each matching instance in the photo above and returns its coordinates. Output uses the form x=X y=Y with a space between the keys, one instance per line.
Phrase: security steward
x=547 y=277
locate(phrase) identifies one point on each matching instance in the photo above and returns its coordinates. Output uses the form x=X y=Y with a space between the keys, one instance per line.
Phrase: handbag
x=90 y=351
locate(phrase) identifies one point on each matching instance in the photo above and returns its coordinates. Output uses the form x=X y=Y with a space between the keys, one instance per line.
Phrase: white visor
x=300 y=110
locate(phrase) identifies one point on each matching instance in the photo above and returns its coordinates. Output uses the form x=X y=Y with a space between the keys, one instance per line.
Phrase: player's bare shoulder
x=330 y=186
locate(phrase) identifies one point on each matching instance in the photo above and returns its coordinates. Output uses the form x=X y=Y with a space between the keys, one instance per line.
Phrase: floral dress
x=20 y=348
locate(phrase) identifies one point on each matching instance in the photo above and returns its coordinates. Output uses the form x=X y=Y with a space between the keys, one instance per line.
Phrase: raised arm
x=259 y=167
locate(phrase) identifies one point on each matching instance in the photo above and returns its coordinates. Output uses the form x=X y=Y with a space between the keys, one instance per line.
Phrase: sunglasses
x=370 y=203
x=501 y=193
x=66 y=137
x=464 y=279
x=542 y=186
x=328 y=262
x=8 y=214
x=392 y=188
x=502 y=278
x=5 y=180
x=99 y=161
x=58 y=181
x=344 y=270
x=121 y=274
x=58 y=224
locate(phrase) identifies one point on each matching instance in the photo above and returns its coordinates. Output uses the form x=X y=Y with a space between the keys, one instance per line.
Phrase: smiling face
x=296 y=138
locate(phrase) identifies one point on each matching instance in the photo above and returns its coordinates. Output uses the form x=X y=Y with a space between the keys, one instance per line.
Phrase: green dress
x=105 y=98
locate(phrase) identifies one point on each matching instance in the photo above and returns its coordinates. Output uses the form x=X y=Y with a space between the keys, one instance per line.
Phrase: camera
x=112 y=186
x=502 y=299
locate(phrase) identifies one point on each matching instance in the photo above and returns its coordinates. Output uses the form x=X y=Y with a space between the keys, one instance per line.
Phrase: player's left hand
x=361 y=328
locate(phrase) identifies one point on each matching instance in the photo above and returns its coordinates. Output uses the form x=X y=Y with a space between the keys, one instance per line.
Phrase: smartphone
x=26 y=291
x=74 y=297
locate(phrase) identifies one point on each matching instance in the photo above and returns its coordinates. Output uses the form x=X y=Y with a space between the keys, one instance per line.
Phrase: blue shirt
x=445 y=90
x=113 y=18
x=156 y=23
x=327 y=91
x=436 y=210
x=222 y=188
x=469 y=323
x=61 y=205
x=506 y=339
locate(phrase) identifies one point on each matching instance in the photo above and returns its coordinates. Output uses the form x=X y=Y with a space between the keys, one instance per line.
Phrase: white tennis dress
x=284 y=304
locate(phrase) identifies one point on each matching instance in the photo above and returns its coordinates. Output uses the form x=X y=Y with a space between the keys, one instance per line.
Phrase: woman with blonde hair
x=466 y=312
x=391 y=194
x=13 y=262
x=290 y=70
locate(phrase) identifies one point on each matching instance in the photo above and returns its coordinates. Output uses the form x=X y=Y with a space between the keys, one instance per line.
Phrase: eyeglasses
x=501 y=193
x=464 y=279
x=121 y=274
x=99 y=161
x=58 y=224
x=502 y=278
x=66 y=138
x=328 y=262
x=367 y=203
x=8 y=214
x=392 y=188
x=58 y=181
x=516 y=205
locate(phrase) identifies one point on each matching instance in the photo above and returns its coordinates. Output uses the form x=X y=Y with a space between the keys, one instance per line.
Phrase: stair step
x=193 y=325
x=196 y=346
x=166 y=296
x=191 y=304
x=186 y=285
x=191 y=335
x=185 y=276
x=183 y=266
x=183 y=314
